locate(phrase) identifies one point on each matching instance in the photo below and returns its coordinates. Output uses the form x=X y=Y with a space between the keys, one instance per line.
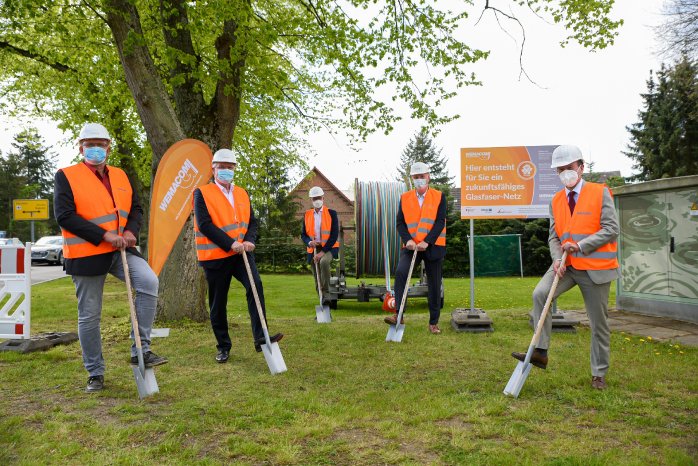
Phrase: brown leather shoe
x=392 y=319
x=598 y=383
x=434 y=329
x=537 y=358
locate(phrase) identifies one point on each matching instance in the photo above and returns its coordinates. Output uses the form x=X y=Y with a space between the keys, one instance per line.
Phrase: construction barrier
x=15 y=291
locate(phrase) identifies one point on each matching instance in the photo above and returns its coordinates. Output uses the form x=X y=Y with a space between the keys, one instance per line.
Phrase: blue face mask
x=225 y=175
x=95 y=155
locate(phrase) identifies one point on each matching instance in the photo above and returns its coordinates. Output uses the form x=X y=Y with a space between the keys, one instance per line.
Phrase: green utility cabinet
x=658 y=248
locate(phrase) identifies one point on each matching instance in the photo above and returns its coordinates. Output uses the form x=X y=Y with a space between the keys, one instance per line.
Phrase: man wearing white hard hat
x=224 y=226
x=584 y=223
x=99 y=214
x=319 y=232
x=421 y=224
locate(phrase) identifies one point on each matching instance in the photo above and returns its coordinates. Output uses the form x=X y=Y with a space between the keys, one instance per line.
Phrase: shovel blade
x=323 y=314
x=395 y=333
x=275 y=361
x=145 y=382
x=517 y=379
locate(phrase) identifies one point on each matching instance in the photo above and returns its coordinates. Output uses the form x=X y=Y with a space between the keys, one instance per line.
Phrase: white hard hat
x=565 y=155
x=94 y=131
x=419 y=168
x=224 y=155
x=316 y=191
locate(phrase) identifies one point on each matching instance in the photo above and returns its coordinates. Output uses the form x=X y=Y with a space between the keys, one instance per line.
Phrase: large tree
x=664 y=142
x=421 y=148
x=260 y=71
x=26 y=172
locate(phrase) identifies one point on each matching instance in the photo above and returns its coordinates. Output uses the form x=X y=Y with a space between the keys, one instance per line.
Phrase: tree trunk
x=182 y=285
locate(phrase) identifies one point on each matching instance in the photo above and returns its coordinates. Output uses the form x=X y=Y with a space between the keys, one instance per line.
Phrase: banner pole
x=472 y=264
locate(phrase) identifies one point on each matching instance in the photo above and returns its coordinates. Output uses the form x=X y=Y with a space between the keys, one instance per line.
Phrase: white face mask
x=569 y=178
x=419 y=183
x=317 y=204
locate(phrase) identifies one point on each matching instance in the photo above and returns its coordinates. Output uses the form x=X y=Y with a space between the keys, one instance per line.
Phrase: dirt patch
x=370 y=441
x=456 y=422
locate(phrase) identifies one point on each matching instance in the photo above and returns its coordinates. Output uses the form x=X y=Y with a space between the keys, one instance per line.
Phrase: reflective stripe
x=103 y=219
x=600 y=255
x=123 y=213
x=442 y=234
x=412 y=225
x=244 y=225
x=426 y=220
x=232 y=226
x=72 y=241
x=198 y=234
x=575 y=236
x=324 y=232
x=423 y=230
x=204 y=247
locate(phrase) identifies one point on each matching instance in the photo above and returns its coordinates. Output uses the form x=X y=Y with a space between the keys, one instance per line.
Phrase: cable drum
x=376 y=204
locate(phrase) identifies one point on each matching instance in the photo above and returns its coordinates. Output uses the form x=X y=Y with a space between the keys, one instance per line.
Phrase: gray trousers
x=596 y=304
x=325 y=271
x=89 y=291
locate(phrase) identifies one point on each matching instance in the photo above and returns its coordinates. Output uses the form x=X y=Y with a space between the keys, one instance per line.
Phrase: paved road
x=43 y=273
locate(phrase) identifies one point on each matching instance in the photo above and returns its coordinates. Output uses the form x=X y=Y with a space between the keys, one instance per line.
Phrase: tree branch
x=35 y=56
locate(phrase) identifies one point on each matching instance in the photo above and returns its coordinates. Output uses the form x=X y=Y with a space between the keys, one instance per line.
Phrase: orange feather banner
x=184 y=167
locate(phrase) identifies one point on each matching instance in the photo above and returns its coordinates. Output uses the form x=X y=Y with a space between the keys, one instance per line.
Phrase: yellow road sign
x=30 y=209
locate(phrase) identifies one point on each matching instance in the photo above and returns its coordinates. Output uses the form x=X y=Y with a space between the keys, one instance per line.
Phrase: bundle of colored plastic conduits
x=376 y=204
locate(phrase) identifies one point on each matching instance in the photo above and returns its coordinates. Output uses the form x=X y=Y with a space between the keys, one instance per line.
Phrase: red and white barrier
x=15 y=291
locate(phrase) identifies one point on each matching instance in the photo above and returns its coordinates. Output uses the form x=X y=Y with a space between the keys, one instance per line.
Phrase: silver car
x=48 y=249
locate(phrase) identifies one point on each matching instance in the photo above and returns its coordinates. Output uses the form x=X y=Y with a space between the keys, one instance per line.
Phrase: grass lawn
x=348 y=396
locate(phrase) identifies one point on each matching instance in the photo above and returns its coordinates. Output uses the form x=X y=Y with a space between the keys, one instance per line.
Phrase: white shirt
x=420 y=197
x=577 y=189
x=317 y=215
x=228 y=194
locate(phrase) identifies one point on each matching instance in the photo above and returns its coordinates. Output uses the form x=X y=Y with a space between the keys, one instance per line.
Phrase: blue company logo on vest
x=184 y=179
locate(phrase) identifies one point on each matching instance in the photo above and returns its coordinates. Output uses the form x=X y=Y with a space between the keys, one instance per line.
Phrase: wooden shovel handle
x=544 y=314
x=132 y=306
x=317 y=275
x=254 y=291
x=407 y=287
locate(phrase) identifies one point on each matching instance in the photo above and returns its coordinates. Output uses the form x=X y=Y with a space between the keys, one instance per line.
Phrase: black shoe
x=326 y=301
x=150 y=359
x=95 y=383
x=222 y=356
x=538 y=359
x=261 y=341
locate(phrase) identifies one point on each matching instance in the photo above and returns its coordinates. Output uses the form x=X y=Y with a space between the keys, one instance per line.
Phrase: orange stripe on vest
x=234 y=222
x=420 y=220
x=94 y=204
x=585 y=221
x=325 y=227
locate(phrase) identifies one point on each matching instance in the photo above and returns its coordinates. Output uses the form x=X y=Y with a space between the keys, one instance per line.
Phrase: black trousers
x=218 y=286
x=433 y=269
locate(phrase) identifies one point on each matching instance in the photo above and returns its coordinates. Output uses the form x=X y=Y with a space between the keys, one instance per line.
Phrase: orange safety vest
x=585 y=221
x=420 y=220
x=94 y=204
x=325 y=227
x=234 y=222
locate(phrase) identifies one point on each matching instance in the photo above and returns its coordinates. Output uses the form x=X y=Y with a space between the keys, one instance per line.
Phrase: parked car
x=48 y=249
x=10 y=241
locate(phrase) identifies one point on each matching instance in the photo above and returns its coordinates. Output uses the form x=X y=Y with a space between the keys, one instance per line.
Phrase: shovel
x=145 y=378
x=522 y=369
x=322 y=311
x=395 y=331
x=272 y=352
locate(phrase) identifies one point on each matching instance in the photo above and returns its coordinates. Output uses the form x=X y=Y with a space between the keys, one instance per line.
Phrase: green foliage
x=664 y=142
x=26 y=173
